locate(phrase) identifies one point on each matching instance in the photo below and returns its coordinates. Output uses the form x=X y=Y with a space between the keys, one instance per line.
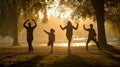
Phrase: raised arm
x=85 y=28
x=76 y=27
x=62 y=27
x=46 y=32
x=34 y=22
x=25 y=23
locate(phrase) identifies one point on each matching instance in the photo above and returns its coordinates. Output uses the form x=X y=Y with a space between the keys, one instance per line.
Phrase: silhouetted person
x=51 y=38
x=69 y=32
x=30 y=29
x=91 y=36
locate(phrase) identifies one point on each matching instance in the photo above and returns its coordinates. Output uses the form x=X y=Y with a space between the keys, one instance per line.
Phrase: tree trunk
x=15 y=20
x=15 y=32
x=98 y=5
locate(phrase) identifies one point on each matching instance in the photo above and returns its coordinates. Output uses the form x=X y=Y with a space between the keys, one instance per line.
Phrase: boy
x=91 y=36
x=30 y=30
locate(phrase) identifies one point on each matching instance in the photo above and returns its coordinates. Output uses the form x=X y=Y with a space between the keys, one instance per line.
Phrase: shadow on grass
x=111 y=56
x=73 y=61
x=29 y=63
x=111 y=49
x=11 y=56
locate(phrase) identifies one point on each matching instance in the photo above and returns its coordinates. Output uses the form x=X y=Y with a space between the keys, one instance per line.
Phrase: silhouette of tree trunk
x=98 y=5
x=15 y=32
x=15 y=20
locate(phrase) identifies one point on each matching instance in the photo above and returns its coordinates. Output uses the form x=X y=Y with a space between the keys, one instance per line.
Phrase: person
x=51 y=38
x=91 y=36
x=69 y=32
x=30 y=30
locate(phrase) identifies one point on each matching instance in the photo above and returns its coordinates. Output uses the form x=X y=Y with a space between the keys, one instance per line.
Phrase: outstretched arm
x=25 y=23
x=62 y=27
x=76 y=27
x=85 y=28
x=34 y=22
x=46 y=32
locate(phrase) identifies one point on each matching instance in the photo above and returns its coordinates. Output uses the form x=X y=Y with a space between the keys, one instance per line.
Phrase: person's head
x=69 y=23
x=29 y=24
x=52 y=30
x=91 y=25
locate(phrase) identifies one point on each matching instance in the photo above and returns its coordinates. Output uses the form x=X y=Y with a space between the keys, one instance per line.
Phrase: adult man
x=30 y=29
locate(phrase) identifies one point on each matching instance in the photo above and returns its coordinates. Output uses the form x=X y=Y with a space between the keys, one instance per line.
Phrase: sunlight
x=56 y=10
x=73 y=44
x=41 y=16
x=79 y=38
x=63 y=44
x=79 y=44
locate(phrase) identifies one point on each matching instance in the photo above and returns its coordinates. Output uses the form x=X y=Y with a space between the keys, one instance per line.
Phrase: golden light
x=40 y=14
x=63 y=44
x=57 y=10
x=79 y=44
x=73 y=44
x=79 y=38
x=56 y=14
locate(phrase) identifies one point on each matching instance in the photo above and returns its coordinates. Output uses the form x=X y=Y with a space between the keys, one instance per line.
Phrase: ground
x=18 y=56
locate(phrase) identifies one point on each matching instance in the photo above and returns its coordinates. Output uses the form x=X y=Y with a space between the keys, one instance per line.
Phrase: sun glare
x=73 y=44
x=57 y=10
x=63 y=44
x=79 y=44
x=40 y=14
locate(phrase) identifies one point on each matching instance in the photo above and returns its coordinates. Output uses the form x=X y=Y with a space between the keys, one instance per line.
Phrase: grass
x=18 y=56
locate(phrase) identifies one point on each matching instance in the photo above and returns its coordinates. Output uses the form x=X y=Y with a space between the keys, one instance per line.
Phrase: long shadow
x=29 y=63
x=111 y=56
x=111 y=49
x=11 y=56
x=73 y=61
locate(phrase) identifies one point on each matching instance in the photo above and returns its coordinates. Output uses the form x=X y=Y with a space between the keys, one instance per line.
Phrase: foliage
x=80 y=7
x=112 y=16
x=19 y=10
x=28 y=9
x=6 y=24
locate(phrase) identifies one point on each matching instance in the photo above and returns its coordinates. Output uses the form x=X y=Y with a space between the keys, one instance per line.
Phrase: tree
x=6 y=21
x=99 y=11
x=10 y=11
x=112 y=9
x=94 y=11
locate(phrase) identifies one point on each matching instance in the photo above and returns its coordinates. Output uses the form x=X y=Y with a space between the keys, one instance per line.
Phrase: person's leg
x=96 y=43
x=31 y=46
x=69 y=42
x=88 y=40
x=51 y=48
x=51 y=44
x=28 y=44
x=48 y=43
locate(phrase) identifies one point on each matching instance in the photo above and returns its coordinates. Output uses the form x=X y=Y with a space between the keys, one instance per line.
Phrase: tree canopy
x=24 y=9
x=112 y=15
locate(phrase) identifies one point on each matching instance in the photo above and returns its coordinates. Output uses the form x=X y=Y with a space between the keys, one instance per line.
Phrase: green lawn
x=18 y=56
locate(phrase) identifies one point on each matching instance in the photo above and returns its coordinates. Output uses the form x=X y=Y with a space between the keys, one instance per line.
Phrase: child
x=91 y=36
x=51 y=38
